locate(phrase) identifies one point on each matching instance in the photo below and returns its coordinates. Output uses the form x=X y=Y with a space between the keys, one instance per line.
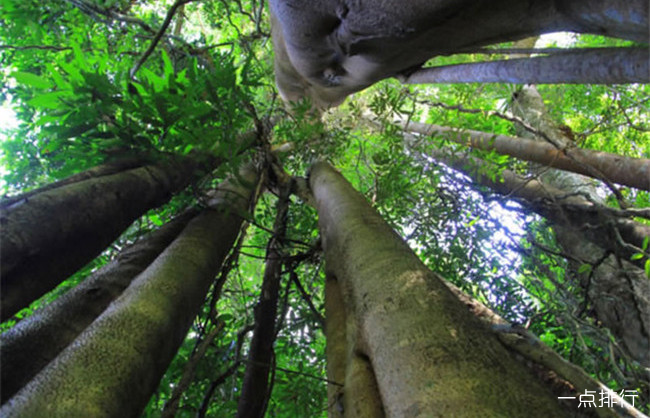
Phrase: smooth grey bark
x=50 y=235
x=633 y=172
x=618 y=291
x=430 y=357
x=115 y=365
x=35 y=341
x=592 y=66
x=343 y=46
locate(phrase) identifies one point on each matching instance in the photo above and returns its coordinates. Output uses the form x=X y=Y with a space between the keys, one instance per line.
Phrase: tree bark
x=255 y=388
x=358 y=394
x=335 y=350
x=618 y=291
x=98 y=171
x=50 y=235
x=114 y=366
x=591 y=66
x=633 y=172
x=429 y=356
x=521 y=341
x=35 y=341
x=340 y=47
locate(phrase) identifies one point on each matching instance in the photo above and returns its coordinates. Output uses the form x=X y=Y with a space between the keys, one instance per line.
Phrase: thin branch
x=311 y=376
x=43 y=47
x=159 y=35
x=171 y=406
x=225 y=375
x=294 y=278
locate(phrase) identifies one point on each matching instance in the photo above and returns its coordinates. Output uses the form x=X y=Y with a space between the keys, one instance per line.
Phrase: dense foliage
x=76 y=75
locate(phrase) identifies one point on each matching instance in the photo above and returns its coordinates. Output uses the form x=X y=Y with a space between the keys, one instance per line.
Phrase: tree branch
x=159 y=35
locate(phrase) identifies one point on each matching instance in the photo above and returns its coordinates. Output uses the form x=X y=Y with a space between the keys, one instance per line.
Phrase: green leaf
x=155 y=219
x=647 y=268
x=48 y=100
x=636 y=256
x=167 y=65
x=58 y=79
x=585 y=268
x=79 y=56
x=32 y=80
x=646 y=241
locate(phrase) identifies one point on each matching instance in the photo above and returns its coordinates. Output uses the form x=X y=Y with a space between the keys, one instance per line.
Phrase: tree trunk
x=633 y=172
x=114 y=366
x=35 y=341
x=98 y=171
x=593 y=66
x=597 y=223
x=356 y=394
x=50 y=235
x=547 y=363
x=429 y=355
x=335 y=350
x=343 y=47
x=618 y=291
x=255 y=388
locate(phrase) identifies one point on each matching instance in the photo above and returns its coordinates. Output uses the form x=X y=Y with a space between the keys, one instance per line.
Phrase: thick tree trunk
x=50 y=235
x=592 y=66
x=114 y=366
x=98 y=171
x=335 y=351
x=618 y=292
x=430 y=357
x=35 y=341
x=633 y=172
x=356 y=394
x=339 y=47
x=255 y=388
x=547 y=362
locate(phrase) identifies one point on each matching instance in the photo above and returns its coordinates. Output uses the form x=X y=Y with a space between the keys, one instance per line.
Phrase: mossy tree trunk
x=35 y=341
x=115 y=365
x=430 y=357
x=352 y=390
x=49 y=235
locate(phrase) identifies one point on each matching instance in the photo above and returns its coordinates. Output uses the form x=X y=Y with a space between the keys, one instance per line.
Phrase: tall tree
x=139 y=334
x=414 y=332
x=618 y=291
x=37 y=340
x=44 y=242
x=100 y=87
x=256 y=388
